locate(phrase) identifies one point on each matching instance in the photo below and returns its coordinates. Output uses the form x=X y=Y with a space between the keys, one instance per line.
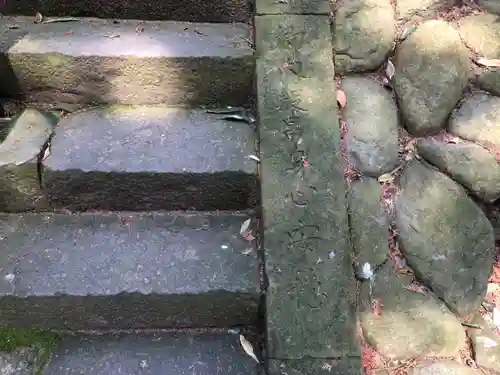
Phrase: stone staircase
x=122 y=231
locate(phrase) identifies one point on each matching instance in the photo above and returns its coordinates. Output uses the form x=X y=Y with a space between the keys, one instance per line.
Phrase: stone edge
x=347 y=364
x=292 y=7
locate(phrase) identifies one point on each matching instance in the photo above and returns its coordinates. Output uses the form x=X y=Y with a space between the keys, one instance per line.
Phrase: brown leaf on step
x=488 y=62
x=416 y=288
x=404 y=271
x=389 y=69
x=341 y=99
x=248 y=236
x=38 y=17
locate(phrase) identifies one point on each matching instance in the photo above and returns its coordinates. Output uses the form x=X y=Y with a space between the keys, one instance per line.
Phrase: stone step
x=126 y=271
x=94 y=60
x=186 y=10
x=151 y=158
x=151 y=354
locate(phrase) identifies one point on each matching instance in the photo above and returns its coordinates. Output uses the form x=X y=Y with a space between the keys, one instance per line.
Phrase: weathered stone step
x=151 y=158
x=153 y=354
x=126 y=270
x=186 y=10
x=126 y=61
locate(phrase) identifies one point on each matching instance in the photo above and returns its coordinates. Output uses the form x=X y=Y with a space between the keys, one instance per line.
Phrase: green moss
x=41 y=341
x=11 y=338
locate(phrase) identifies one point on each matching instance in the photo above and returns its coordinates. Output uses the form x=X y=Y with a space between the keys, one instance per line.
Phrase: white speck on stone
x=147 y=281
x=326 y=366
x=224 y=246
x=438 y=257
x=144 y=364
x=247 y=251
x=10 y=277
x=366 y=271
x=331 y=255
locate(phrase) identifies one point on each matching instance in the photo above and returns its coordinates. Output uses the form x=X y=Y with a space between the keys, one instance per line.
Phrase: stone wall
x=421 y=134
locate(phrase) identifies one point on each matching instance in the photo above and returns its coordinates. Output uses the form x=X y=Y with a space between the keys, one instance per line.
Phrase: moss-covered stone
x=26 y=136
x=311 y=294
x=32 y=346
x=409 y=324
x=481 y=32
x=445 y=237
x=476 y=119
x=432 y=67
x=467 y=163
x=364 y=32
x=369 y=226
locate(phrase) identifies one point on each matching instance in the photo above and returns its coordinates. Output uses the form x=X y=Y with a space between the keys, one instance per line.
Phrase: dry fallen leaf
x=248 y=348
x=111 y=35
x=341 y=99
x=38 y=17
x=410 y=146
x=245 y=226
x=471 y=325
x=238 y=118
x=488 y=62
x=390 y=70
x=61 y=19
x=254 y=157
x=416 y=288
x=377 y=307
x=386 y=178
x=225 y=111
x=46 y=153
x=403 y=34
x=249 y=236
x=386 y=82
